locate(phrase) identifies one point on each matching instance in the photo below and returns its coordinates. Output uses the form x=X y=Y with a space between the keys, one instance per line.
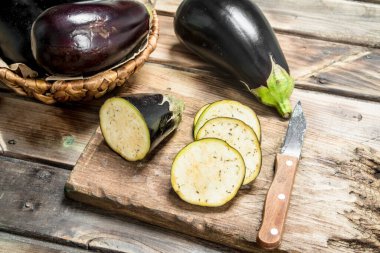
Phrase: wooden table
x=332 y=49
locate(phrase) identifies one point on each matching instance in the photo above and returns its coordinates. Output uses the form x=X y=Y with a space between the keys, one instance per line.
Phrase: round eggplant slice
x=124 y=129
x=199 y=113
x=208 y=172
x=230 y=109
x=241 y=137
x=133 y=125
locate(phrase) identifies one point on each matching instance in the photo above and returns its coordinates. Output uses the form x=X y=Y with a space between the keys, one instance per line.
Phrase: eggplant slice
x=239 y=136
x=199 y=113
x=230 y=109
x=208 y=172
x=133 y=125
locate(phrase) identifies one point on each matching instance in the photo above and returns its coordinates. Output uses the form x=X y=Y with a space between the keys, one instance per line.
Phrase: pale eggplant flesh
x=133 y=125
x=237 y=38
x=161 y=112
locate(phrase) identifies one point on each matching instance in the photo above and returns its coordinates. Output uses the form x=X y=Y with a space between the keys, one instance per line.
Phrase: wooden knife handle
x=277 y=202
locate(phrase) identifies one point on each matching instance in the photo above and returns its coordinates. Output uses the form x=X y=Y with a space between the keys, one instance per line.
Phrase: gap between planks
x=20 y=244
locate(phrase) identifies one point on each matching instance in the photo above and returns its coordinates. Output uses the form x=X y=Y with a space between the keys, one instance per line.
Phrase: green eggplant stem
x=284 y=108
x=279 y=88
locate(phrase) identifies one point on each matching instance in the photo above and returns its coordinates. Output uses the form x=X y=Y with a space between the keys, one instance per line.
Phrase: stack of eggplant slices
x=225 y=155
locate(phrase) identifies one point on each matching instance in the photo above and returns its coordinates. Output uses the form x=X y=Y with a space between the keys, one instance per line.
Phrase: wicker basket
x=84 y=89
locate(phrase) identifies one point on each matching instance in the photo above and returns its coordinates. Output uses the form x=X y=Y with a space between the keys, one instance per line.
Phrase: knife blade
x=278 y=196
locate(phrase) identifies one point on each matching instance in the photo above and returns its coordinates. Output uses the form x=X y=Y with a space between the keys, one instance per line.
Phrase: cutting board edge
x=72 y=192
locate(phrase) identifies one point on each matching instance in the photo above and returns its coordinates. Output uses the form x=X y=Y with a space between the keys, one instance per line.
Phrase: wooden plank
x=355 y=76
x=306 y=57
x=56 y=134
x=328 y=19
x=328 y=212
x=19 y=244
x=32 y=204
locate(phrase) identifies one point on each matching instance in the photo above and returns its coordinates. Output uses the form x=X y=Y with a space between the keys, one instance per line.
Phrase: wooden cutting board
x=143 y=190
x=330 y=157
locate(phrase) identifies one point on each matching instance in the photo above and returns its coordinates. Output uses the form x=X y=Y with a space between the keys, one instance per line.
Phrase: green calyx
x=279 y=88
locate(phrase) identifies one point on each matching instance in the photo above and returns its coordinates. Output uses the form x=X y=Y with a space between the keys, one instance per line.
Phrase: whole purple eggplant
x=236 y=37
x=86 y=37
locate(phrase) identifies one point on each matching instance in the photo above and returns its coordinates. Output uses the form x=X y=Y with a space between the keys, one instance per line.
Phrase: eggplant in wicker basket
x=104 y=41
x=86 y=37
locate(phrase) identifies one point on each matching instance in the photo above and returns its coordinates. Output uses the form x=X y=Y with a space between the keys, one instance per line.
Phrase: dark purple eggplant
x=133 y=125
x=236 y=37
x=16 y=19
x=86 y=37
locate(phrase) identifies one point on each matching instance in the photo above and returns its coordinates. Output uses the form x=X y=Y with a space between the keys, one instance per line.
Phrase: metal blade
x=294 y=135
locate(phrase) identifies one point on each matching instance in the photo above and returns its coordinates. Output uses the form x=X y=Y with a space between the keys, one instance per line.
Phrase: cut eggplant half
x=199 y=113
x=230 y=109
x=133 y=125
x=239 y=136
x=208 y=172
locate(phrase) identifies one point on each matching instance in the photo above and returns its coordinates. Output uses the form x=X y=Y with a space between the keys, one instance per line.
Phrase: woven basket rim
x=50 y=92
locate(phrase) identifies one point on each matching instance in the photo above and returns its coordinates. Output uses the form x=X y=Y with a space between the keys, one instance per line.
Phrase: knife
x=278 y=196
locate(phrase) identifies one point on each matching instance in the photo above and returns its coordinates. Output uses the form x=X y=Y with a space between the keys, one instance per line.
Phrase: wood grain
x=341 y=132
x=18 y=244
x=355 y=76
x=330 y=20
x=45 y=133
x=32 y=204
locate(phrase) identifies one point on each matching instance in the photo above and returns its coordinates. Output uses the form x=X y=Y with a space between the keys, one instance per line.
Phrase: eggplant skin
x=87 y=37
x=233 y=35
x=162 y=113
x=16 y=19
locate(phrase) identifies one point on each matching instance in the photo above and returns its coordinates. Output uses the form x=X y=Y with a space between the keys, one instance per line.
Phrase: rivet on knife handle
x=277 y=202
